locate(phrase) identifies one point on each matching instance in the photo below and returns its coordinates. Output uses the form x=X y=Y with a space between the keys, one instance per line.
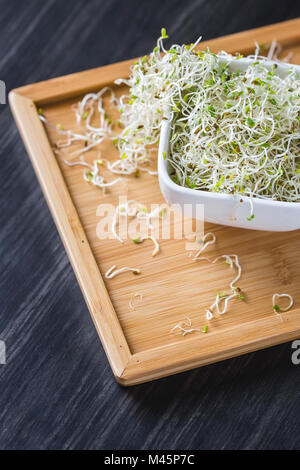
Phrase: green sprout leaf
x=273 y=101
x=137 y=241
x=211 y=110
x=250 y=122
x=219 y=183
x=164 y=33
x=190 y=184
x=222 y=294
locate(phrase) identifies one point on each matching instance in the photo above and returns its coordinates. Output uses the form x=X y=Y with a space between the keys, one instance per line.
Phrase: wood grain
x=57 y=390
x=139 y=343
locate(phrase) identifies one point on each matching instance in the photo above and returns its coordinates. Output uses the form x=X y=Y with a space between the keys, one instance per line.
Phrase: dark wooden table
x=57 y=389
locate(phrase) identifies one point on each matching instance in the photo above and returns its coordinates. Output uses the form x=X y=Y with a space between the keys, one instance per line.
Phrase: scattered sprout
x=277 y=308
x=206 y=242
x=93 y=175
x=233 y=262
x=138 y=296
x=112 y=272
x=137 y=241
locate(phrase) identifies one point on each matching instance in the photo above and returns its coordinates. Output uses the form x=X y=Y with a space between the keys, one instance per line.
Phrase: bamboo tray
x=139 y=344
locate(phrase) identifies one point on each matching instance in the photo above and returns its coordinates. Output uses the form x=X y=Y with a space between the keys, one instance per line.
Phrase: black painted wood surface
x=57 y=390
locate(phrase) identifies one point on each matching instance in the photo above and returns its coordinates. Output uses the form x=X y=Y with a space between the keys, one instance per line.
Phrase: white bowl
x=226 y=209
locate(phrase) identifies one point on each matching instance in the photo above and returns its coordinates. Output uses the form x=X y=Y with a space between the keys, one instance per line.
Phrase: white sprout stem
x=216 y=305
x=226 y=301
x=191 y=330
x=136 y=295
x=206 y=243
x=113 y=272
x=282 y=296
x=239 y=268
x=156 y=245
x=93 y=176
x=272 y=50
x=209 y=314
x=185 y=327
x=232 y=260
x=129 y=209
x=251 y=207
x=156 y=213
x=133 y=208
x=99 y=182
x=77 y=164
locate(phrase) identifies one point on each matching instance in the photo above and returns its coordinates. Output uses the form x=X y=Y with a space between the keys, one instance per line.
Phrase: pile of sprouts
x=232 y=131
x=185 y=327
x=233 y=262
x=238 y=132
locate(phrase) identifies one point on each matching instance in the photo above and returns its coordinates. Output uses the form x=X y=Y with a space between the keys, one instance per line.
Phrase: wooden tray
x=139 y=344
